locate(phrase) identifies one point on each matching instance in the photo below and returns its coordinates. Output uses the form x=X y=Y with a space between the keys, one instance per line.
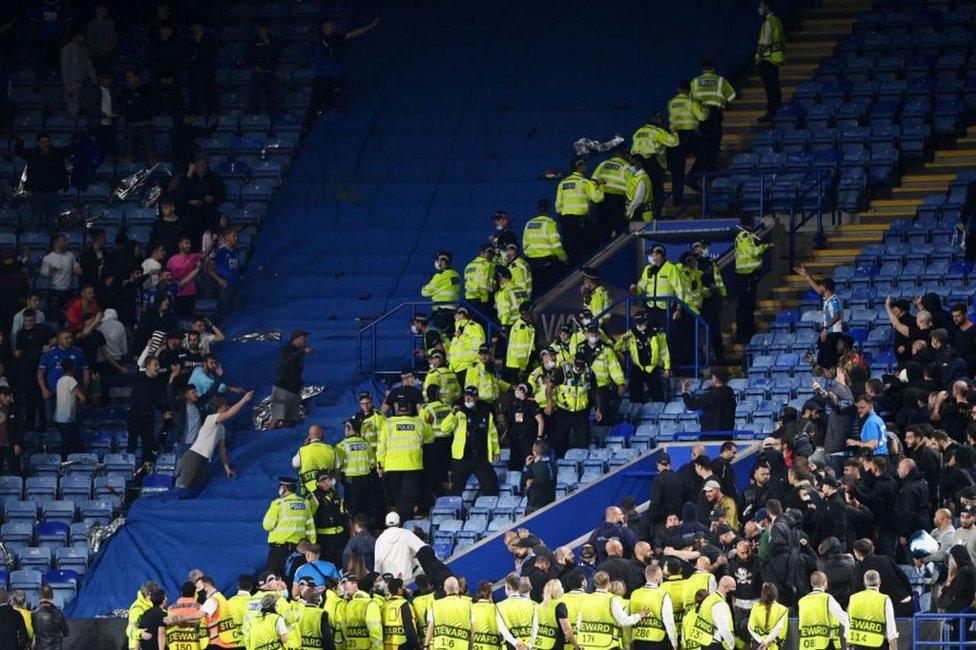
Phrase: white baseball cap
x=392 y=519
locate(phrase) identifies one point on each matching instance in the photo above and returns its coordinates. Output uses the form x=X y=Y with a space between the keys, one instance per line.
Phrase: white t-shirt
x=211 y=432
x=60 y=268
x=67 y=403
x=148 y=266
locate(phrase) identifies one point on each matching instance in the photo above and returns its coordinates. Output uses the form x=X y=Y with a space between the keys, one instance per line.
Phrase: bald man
x=449 y=618
x=629 y=572
x=713 y=629
x=314 y=455
x=614 y=526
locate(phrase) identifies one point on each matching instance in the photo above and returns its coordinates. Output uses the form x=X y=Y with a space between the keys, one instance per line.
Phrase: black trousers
x=437 y=458
x=444 y=320
x=545 y=272
x=34 y=412
x=654 y=170
x=769 y=74
x=709 y=144
x=141 y=427
x=646 y=386
x=521 y=447
x=571 y=430
x=262 y=92
x=677 y=161
x=827 y=356
x=9 y=461
x=359 y=492
x=325 y=97
x=403 y=490
x=710 y=311
x=612 y=217
x=461 y=471
x=575 y=233
x=746 y=287
x=332 y=545
x=202 y=92
x=277 y=554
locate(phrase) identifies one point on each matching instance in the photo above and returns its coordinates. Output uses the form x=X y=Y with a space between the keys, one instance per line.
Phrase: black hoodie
x=958 y=594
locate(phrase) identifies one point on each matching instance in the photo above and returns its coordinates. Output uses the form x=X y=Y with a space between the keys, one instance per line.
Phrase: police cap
x=525 y=307
x=471 y=390
x=658 y=248
x=484 y=348
x=499 y=214
x=419 y=318
x=592 y=326
x=565 y=329
x=640 y=317
x=288 y=481
x=463 y=311
x=590 y=273
x=436 y=354
x=444 y=255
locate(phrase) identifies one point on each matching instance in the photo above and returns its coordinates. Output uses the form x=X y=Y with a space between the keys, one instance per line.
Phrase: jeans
x=227 y=301
x=44 y=207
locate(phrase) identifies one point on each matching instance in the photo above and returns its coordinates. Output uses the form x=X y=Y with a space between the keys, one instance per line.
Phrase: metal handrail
x=962 y=621
x=370 y=328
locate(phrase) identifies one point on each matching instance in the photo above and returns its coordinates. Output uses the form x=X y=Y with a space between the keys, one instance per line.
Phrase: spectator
x=11 y=429
x=102 y=101
x=48 y=622
x=963 y=335
x=47 y=175
x=76 y=69
x=838 y=566
x=717 y=403
x=720 y=504
x=912 y=505
x=81 y=309
x=14 y=285
x=666 y=492
x=831 y=324
x=262 y=57
x=101 y=36
x=395 y=549
x=148 y=396
x=67 y=397
x=722 y=468
x=60 y=266
x=152 y=265
x=184 y=267
x=164 y=60
x=137 y=109
x=286 y=392
x=839 y=404
x=960 y=587
x=361 y=543
x=209 y=374
x=167 y=230
x=116 y=340
x=327 y=52
x=627 y=571
x=539 y=478
x=894 y=582
x=51 y=18
x=13 y=628
x=32 y=303
x=209 y=333
x=30 y=344
x=315 y=570
x=96 y=258
x=203 y=191
x=50 y=367
x=196 y=461
x=874 y=433
x=200 y=60
x=966 y=533
x=151 y=620
x=183 y=139
x=614 y=526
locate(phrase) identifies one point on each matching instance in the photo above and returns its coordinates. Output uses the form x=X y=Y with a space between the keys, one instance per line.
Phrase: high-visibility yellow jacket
x=444 y=286
x=763 y=620
x=400 y=447
x=597 y=302
x=521 y=275
x=770 y=46
x=479 y=279
x=521 y=345
x=640 y=195
x=748 y=253
x=691 y=279
x=604 y=363
x=868 y=620
x=540 y=239
x=712 y=90
x=685 y=113
x=614 y=173
x=446 y=381
x=288 y=520
x=468 y=337
x=647 y=350
x=507 y=301
x=356 y=456
x=489 y=384
x=457 y=425
x=666 y=283
x=815 y=624
x=575 y=193
x=651 y=140
x=315 y=456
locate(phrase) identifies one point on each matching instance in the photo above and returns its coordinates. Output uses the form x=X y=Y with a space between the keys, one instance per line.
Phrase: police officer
x=508 y=297
x=540 y=376
x=819 y=615
x=650 y=360
x=329 y=515
x=568 y=397
x=602 y=360
x=650 y=632
x=406 y=392
x=400 y=458
x=313 y=456
x=595 y=296
x=713 y=292
x=468 y=338
x=640 y=195
x=714 y=92
x=483 y=376
x=650 y=142
x=562 y=346
x=502 y=235
x=684 y=115
x=748 y=265
x=446 y=381
x=872 y=623
x=444 y=289
x=543 y=248
x=521 y=273
x=437 y=454
x=357 y=462
x=659 y=280
x=479 y=279
x=614 y=172
x=474 y=443
x=770 y=56
x=525 y=425
x=367 y=420
x=573 y=198
x=287 y=521
x=521 y=344
x=429 y=338
x=683 y=329
x=449 y=620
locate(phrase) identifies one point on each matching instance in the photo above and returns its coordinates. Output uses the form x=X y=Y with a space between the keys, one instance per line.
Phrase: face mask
x=469 y=404
x=760 y=11
x=585 y=321
x=592 y=339
x=414 y=329
x=550 y=365
x=519 y=394
x=437 y=266
x=642 y=328
x=650 y=260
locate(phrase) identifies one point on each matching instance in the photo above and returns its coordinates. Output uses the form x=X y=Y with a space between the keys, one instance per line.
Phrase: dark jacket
x=912 y=505
x=832 y=520
x=13 y=631
x=958 y=595
x=717 y=406
x=607 y=531
x=666 y=496
x=290 y=365
x=50 y=626
x=894 y=582
x=629 y=572
x=930 y=465
x=752 y=499
x=839 y=569
x=46 y=172
x=137 y=104
x=882 y=500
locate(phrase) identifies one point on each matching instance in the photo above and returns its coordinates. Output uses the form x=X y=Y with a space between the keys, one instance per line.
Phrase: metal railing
x=699 y=338
x=953 y=630
x=367 y=360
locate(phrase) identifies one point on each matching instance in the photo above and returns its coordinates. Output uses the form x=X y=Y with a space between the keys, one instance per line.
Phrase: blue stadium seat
x=11 y=487
x=73 y=558
x=20 y=510
x=51 y=534
x=156 y=483
x=35 y=557
x=63 y=511
x=17 y=534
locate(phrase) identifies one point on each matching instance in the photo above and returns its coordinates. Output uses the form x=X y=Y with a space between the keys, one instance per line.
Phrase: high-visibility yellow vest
x=703 y=630
x=518 y=613
x=712 y=90
x=484 y=627
x=537 y=384
x=650 y=141
x=685 y=113
x=446 y=381
x=597 y=626
x=314 y=456
x=691 y=280
x=138 y=607
x=521 y=344
x=605 y=365
x=650 y=628
x=666 y=283
x=573 y=602
x=444 y=286
x=507 y=301
x=468 y=337
x=222 y=631
x=773 y=51
x=697 y=581
x=421 y=604
x=288 y=520
x=688 y=634
x=394 y=634
x=748 y=253
x=521 y=275
x=186 y=636
x=308 y=630
x=433 y=413
x=597 y=302
x=637 y=179
x=401 y=445
x=479 y=279
x=457 y=423
x=614 y=173
x=548 y=628
x=675 y=586
x=573 y=393
x=868 y=624
x=575 y=193
x=236 y=607
x=564 y=350
x=263 y=634
x=647 y=351
x=335 y=608
x=355 y=456
x=815 y=623
x=763 y=620
x=540 y=238
x=370 y=427
x=362 y=623
x=488 y=384
x=452 y=623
